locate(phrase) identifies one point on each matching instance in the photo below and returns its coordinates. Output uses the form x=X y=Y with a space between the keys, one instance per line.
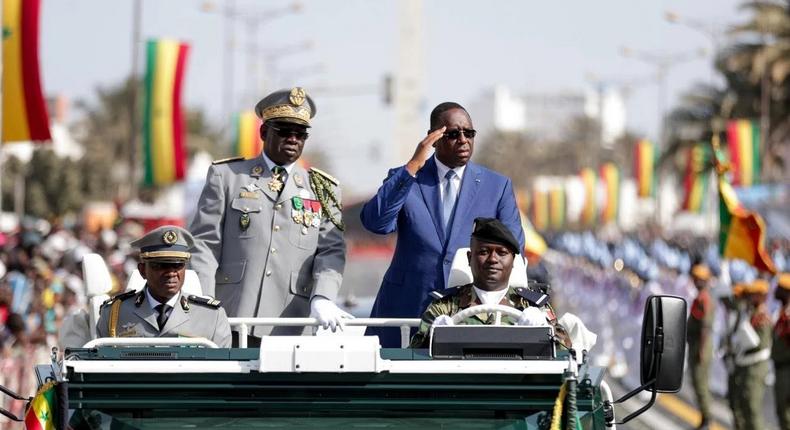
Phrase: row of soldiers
x=752 y=341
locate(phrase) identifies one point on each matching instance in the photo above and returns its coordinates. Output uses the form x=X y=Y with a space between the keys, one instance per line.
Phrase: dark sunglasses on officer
x=469 y=133
x=287 y=132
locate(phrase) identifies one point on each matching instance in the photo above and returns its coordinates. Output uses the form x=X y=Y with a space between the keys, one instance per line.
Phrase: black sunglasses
x=161 y=265
x=285 y=133
x=469 y=133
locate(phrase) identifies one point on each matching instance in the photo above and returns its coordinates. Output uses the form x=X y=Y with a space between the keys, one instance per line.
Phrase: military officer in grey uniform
x=160 y=309
x=269 y=232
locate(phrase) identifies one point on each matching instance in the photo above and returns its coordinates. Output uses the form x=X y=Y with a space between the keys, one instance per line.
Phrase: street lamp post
x=662 y=62
x=253 y=22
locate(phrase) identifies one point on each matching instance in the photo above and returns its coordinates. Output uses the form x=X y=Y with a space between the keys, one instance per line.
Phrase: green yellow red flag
x=696 y=178
x=163 y=119
x=741 y=231
x=610 y=176
x=557 y=206
x=743 y=145
x=246 y=135
x=540 y=208
x=25 y=115
x=41 y=411
x=589 y=210
x=644 y=168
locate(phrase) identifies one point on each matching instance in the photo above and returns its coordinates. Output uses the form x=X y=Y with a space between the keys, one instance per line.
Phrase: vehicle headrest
x=96 y=275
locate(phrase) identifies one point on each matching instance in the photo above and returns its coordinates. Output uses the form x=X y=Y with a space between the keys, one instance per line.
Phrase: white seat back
x=98 y=284
x=96 y=275
x=461 y=273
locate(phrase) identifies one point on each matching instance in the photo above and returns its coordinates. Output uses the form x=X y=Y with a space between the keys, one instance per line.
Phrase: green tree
x=105 y=132
x=756 y=70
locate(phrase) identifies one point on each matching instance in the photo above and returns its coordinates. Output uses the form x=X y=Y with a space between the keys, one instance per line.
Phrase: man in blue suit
x=432 y=202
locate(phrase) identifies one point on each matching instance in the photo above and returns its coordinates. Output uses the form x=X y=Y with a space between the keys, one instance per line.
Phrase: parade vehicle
x=471 y=377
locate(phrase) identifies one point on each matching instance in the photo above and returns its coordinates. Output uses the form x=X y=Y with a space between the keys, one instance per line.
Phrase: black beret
x=493 y=230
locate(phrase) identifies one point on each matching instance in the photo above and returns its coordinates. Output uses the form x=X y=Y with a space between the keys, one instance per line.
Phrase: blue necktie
x=448 y=203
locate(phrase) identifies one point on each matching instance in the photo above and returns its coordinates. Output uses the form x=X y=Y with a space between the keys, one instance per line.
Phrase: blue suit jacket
x=424 y=250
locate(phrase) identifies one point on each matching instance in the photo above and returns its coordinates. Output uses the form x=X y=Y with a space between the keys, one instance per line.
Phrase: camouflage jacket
x=457 y=299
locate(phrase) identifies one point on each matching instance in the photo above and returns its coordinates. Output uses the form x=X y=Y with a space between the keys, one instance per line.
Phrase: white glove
x=581 y=338
x=327 y=313
x=532 y=317
x=443 y=320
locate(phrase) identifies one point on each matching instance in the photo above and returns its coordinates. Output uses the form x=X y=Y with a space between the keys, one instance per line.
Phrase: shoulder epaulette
x=328 y=177
x=447 y=292
x=534 y=298
x=227 y=160
x=122 y=296
x=206 y=301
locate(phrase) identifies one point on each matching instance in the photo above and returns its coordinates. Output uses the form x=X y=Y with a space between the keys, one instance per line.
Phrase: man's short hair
x=442 y=108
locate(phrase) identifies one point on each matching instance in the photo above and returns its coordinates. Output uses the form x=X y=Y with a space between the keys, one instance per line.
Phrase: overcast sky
x=529 y=46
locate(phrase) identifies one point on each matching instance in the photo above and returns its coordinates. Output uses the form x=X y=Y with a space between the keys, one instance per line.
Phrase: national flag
x=42 y=410
x=743 y=145
x=540 y=209
x=741 y=231
x=163 y=121
x=696 y=178
x=557 y=206
x=247 y=141
x=645 y=158
x=610 y=176
x=25 y=115
x=589 y=211
x=534 y=244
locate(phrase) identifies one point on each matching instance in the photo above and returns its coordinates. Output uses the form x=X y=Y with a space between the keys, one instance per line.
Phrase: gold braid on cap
x=322 y=187
x=301 y=113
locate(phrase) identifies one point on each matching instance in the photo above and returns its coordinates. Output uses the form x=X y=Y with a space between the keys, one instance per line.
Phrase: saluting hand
x=423 y=151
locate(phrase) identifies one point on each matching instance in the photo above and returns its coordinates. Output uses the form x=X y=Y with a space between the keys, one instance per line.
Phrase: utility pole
x=253 y=22
x=663 y=63
x=408 y=94
x=133 y=124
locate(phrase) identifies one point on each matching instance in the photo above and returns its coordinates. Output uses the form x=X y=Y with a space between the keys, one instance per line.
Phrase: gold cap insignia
x=297 y=96
x=170 y=237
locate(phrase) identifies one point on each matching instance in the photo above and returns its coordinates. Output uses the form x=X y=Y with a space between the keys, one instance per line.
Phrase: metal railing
x=244 y=324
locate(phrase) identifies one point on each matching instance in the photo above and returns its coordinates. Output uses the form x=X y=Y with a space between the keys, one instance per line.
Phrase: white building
x=547 y=115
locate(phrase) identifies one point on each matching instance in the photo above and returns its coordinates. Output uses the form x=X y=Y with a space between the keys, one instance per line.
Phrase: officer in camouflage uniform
x=160 y=309
x=269 y=232
x=699 y=337
x=780 y=352
x=752 y=366
x=492 y=251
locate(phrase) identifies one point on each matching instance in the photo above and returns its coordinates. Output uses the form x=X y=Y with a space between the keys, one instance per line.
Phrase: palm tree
x=756 y=69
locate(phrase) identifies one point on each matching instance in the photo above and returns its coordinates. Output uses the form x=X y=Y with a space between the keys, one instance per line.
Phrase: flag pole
x=2 y=152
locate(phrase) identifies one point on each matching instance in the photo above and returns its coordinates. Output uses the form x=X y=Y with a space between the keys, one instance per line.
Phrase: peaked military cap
x=168 y=243
x=493 y=230
x=292 y=105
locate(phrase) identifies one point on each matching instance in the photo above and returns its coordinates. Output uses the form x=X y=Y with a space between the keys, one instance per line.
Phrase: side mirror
x=663 y=343
x=662 y=353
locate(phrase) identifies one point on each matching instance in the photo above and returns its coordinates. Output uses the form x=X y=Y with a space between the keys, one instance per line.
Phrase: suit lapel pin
x=184 y=304
x=256 y=171
x=298 y=180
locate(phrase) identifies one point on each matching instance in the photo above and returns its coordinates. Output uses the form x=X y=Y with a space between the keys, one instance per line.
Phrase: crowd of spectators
x=40 y=283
